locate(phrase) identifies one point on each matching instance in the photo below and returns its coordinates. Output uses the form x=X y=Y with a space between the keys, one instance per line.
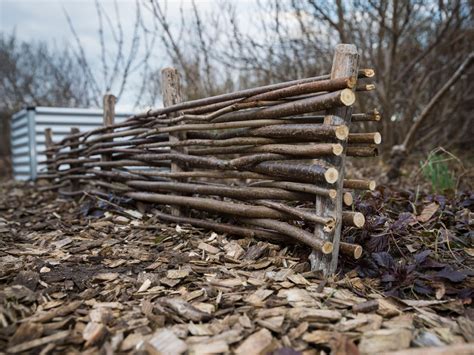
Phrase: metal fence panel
x=27 y=133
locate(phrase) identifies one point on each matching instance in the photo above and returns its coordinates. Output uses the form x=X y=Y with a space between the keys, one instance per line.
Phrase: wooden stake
x=172 y=96
x=48 y=139
x=345 y=64
x=108 y=121
x=75 y=185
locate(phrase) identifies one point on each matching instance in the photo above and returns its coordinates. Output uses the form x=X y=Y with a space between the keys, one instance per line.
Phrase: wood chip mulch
x=126 y=283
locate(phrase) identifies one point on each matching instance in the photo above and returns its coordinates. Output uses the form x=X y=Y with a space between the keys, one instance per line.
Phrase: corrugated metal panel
x=20 y=145
x=27 y=133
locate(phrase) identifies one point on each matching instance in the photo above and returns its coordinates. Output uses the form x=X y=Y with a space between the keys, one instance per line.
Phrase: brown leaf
x=427 y=212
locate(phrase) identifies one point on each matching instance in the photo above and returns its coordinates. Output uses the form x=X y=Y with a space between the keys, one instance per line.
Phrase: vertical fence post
x=75 y=185
x=345 y=63
x=48 y=142
x=108 y=120
x=172 y=95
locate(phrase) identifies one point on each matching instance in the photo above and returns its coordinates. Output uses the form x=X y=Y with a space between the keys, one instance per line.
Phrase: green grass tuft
x=437 y=172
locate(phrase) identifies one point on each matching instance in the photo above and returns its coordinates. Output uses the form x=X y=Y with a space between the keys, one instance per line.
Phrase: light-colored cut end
x=330 y=225
x=342 y=132
x=331 y=175
x=327 y=248
x=372 y=185
x=351 y=82
x=337 y=149
x=358 y=252
x=377 y=117
x=367 y=73
x=359 y=220
x=332 y=194
x=377 y=138
x=348 y=199
x=369 y=87
x=347 y=97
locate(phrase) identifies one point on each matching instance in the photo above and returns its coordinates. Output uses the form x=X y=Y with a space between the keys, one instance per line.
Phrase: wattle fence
x=266 y=162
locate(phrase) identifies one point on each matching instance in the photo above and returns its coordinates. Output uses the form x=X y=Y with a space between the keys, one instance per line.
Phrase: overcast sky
x=44 y=20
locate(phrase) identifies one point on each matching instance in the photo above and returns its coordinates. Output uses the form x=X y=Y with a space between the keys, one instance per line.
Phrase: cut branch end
x=330 y=225
x=337 y=149
x=331 y=175
x=357 y=252
x=366 y=73
x=352 y=250
x=327 y=248
x=347 y=97
x=359 y=220
x=372 y=185
x=355 y=219
x=342 y=132
x=377 y=138
x=348 y=199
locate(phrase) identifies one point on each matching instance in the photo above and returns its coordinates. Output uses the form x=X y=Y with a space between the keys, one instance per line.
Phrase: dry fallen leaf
x=427 y=212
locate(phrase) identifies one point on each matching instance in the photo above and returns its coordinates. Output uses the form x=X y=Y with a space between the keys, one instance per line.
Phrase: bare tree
x=123 y=55
x=35 y=74
x=415 y=47
x=189 y=42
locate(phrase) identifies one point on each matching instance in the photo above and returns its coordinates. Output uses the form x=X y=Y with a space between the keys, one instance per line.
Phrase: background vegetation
x=415 y=46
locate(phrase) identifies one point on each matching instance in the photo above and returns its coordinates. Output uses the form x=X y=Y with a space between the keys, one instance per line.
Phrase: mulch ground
x=97 y=276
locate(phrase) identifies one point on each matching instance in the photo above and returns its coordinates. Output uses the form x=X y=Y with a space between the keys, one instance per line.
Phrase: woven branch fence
x=268 y=161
